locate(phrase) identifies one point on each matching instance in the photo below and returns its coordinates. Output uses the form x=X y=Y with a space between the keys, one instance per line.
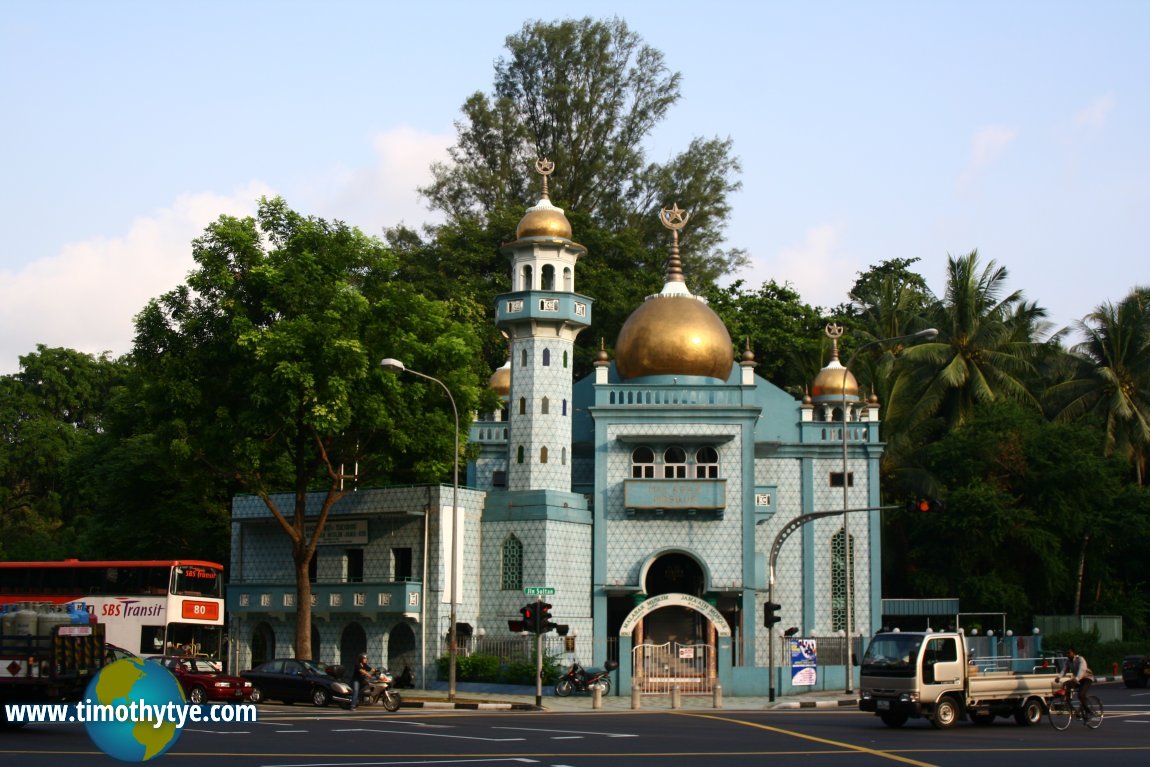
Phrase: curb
x=471 y=706
x=842 y=703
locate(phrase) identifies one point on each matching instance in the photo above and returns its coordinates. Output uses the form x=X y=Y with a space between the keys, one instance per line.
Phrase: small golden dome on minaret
x=834 y=381
x=500 y=381
x=544 y=219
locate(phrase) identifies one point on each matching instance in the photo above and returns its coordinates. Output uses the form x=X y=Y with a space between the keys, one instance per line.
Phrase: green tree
x=264 y=367
x=1112 y=386
x=1032 y=507
x=50 y=412
x=587 y=94
x=983 y=352
x=785 y=334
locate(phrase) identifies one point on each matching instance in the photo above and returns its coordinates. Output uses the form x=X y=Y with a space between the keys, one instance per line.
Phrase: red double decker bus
x=153 y=607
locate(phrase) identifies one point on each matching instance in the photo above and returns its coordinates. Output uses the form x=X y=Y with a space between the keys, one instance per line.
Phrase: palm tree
x=1113 y=384
x=983 y=352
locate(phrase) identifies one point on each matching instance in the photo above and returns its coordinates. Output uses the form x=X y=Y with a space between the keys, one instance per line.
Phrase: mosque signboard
x=709 y=494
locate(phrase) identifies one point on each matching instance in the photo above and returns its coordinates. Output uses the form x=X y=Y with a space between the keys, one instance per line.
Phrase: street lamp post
x=396 y=366
x=836 y=331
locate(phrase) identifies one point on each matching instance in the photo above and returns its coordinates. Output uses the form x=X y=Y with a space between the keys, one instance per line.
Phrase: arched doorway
x=401 y=651
x=263 y=645
x=352 y=642
x=675 y=573
x=656 y=668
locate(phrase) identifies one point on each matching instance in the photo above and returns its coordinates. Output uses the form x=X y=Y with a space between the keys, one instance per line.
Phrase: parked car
x=202 y=681
x=292 y=680
x=1136 y=670
x=113 y=653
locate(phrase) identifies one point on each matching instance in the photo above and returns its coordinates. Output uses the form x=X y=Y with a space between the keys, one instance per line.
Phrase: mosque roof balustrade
x=831 y=432
x=674 y=393
x=489 y=432
x=543 y=305
x=367 y=599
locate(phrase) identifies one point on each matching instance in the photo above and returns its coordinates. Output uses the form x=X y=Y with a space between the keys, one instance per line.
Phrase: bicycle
x=1064 y=706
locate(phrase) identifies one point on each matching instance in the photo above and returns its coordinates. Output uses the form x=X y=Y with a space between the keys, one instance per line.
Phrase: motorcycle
x=379 y=690
x=579 y=679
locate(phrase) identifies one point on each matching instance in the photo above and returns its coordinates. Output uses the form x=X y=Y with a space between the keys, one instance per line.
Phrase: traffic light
x=530 y=613
x=769 y=610
x=545 y=622
x=924 y=505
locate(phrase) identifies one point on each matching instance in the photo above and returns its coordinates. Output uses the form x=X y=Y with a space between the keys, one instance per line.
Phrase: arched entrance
x=691 y=666
x=675 y=573
x=263 y=644
x=401 y=652
x=352 y=641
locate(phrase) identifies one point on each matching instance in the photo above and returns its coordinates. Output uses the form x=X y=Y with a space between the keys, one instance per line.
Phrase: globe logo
x=120 y=684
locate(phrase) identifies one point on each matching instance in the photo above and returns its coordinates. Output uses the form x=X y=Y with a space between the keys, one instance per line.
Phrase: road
x=307 y=737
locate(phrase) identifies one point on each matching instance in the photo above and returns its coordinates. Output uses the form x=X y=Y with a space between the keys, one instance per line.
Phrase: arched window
x=706 y=463
x=523 y=358
x=564 y=359
x=568 y=279
x=525 y=280
x=674 y=463
x=642 y=463
x=522 y=406
x=564 y=407
x=546 y=358
x=546 y=406
x=542 y=455
x=548 y=274
x=519 y=454
x=564 y=457
x=839 y=582
x=512 y=566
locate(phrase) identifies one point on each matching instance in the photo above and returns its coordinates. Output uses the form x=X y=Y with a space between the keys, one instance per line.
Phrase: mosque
x=657 y=504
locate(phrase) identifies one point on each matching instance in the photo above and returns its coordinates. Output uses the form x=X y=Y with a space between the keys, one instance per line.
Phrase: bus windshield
x=197 y=581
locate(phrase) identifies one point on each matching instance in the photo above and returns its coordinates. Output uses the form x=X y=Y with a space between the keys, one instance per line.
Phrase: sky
x=866 y=131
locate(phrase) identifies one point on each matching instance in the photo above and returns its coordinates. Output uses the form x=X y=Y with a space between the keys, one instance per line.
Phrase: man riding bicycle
x=1081 y=676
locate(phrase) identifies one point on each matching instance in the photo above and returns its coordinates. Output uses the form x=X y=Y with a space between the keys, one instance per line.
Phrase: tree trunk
x=1081 y=575
x=302 y=603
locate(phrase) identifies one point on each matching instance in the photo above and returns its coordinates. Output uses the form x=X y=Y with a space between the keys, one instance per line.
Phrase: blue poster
x=804 y=662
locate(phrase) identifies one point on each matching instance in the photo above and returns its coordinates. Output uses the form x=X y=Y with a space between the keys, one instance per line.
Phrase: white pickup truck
x=913 y=674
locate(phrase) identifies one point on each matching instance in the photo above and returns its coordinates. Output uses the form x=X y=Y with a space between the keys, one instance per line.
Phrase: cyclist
x=1080 y=676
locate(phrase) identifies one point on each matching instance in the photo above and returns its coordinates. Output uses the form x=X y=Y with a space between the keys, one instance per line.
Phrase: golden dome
x=831 y=382
x=500 y=381
x=544 y=220
x=674 y=334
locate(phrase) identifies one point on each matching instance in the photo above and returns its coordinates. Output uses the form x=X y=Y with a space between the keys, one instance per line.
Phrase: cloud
x=988 y=145
x=816 y=269
x=86 y=296
x=1095 y=115
x=384 y=194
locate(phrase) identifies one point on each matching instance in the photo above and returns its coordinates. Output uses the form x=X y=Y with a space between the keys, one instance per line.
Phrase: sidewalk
x=501 y=697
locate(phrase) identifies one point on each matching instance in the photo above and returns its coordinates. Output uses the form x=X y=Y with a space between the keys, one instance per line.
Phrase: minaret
x=541 y=318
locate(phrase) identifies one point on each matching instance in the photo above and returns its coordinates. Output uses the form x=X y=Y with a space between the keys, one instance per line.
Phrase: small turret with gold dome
x=674 y=332
x=544 y=219
x=834 y=382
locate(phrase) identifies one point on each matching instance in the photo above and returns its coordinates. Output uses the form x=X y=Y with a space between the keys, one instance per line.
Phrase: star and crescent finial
x=545 y=168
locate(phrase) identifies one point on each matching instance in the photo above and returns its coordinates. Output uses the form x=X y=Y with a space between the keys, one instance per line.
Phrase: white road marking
x=427 y=734
x=576 y=732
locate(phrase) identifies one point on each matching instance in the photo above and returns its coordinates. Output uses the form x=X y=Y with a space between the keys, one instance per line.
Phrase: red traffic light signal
x=530 y=613
x=545 y=622
x=924 y=505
